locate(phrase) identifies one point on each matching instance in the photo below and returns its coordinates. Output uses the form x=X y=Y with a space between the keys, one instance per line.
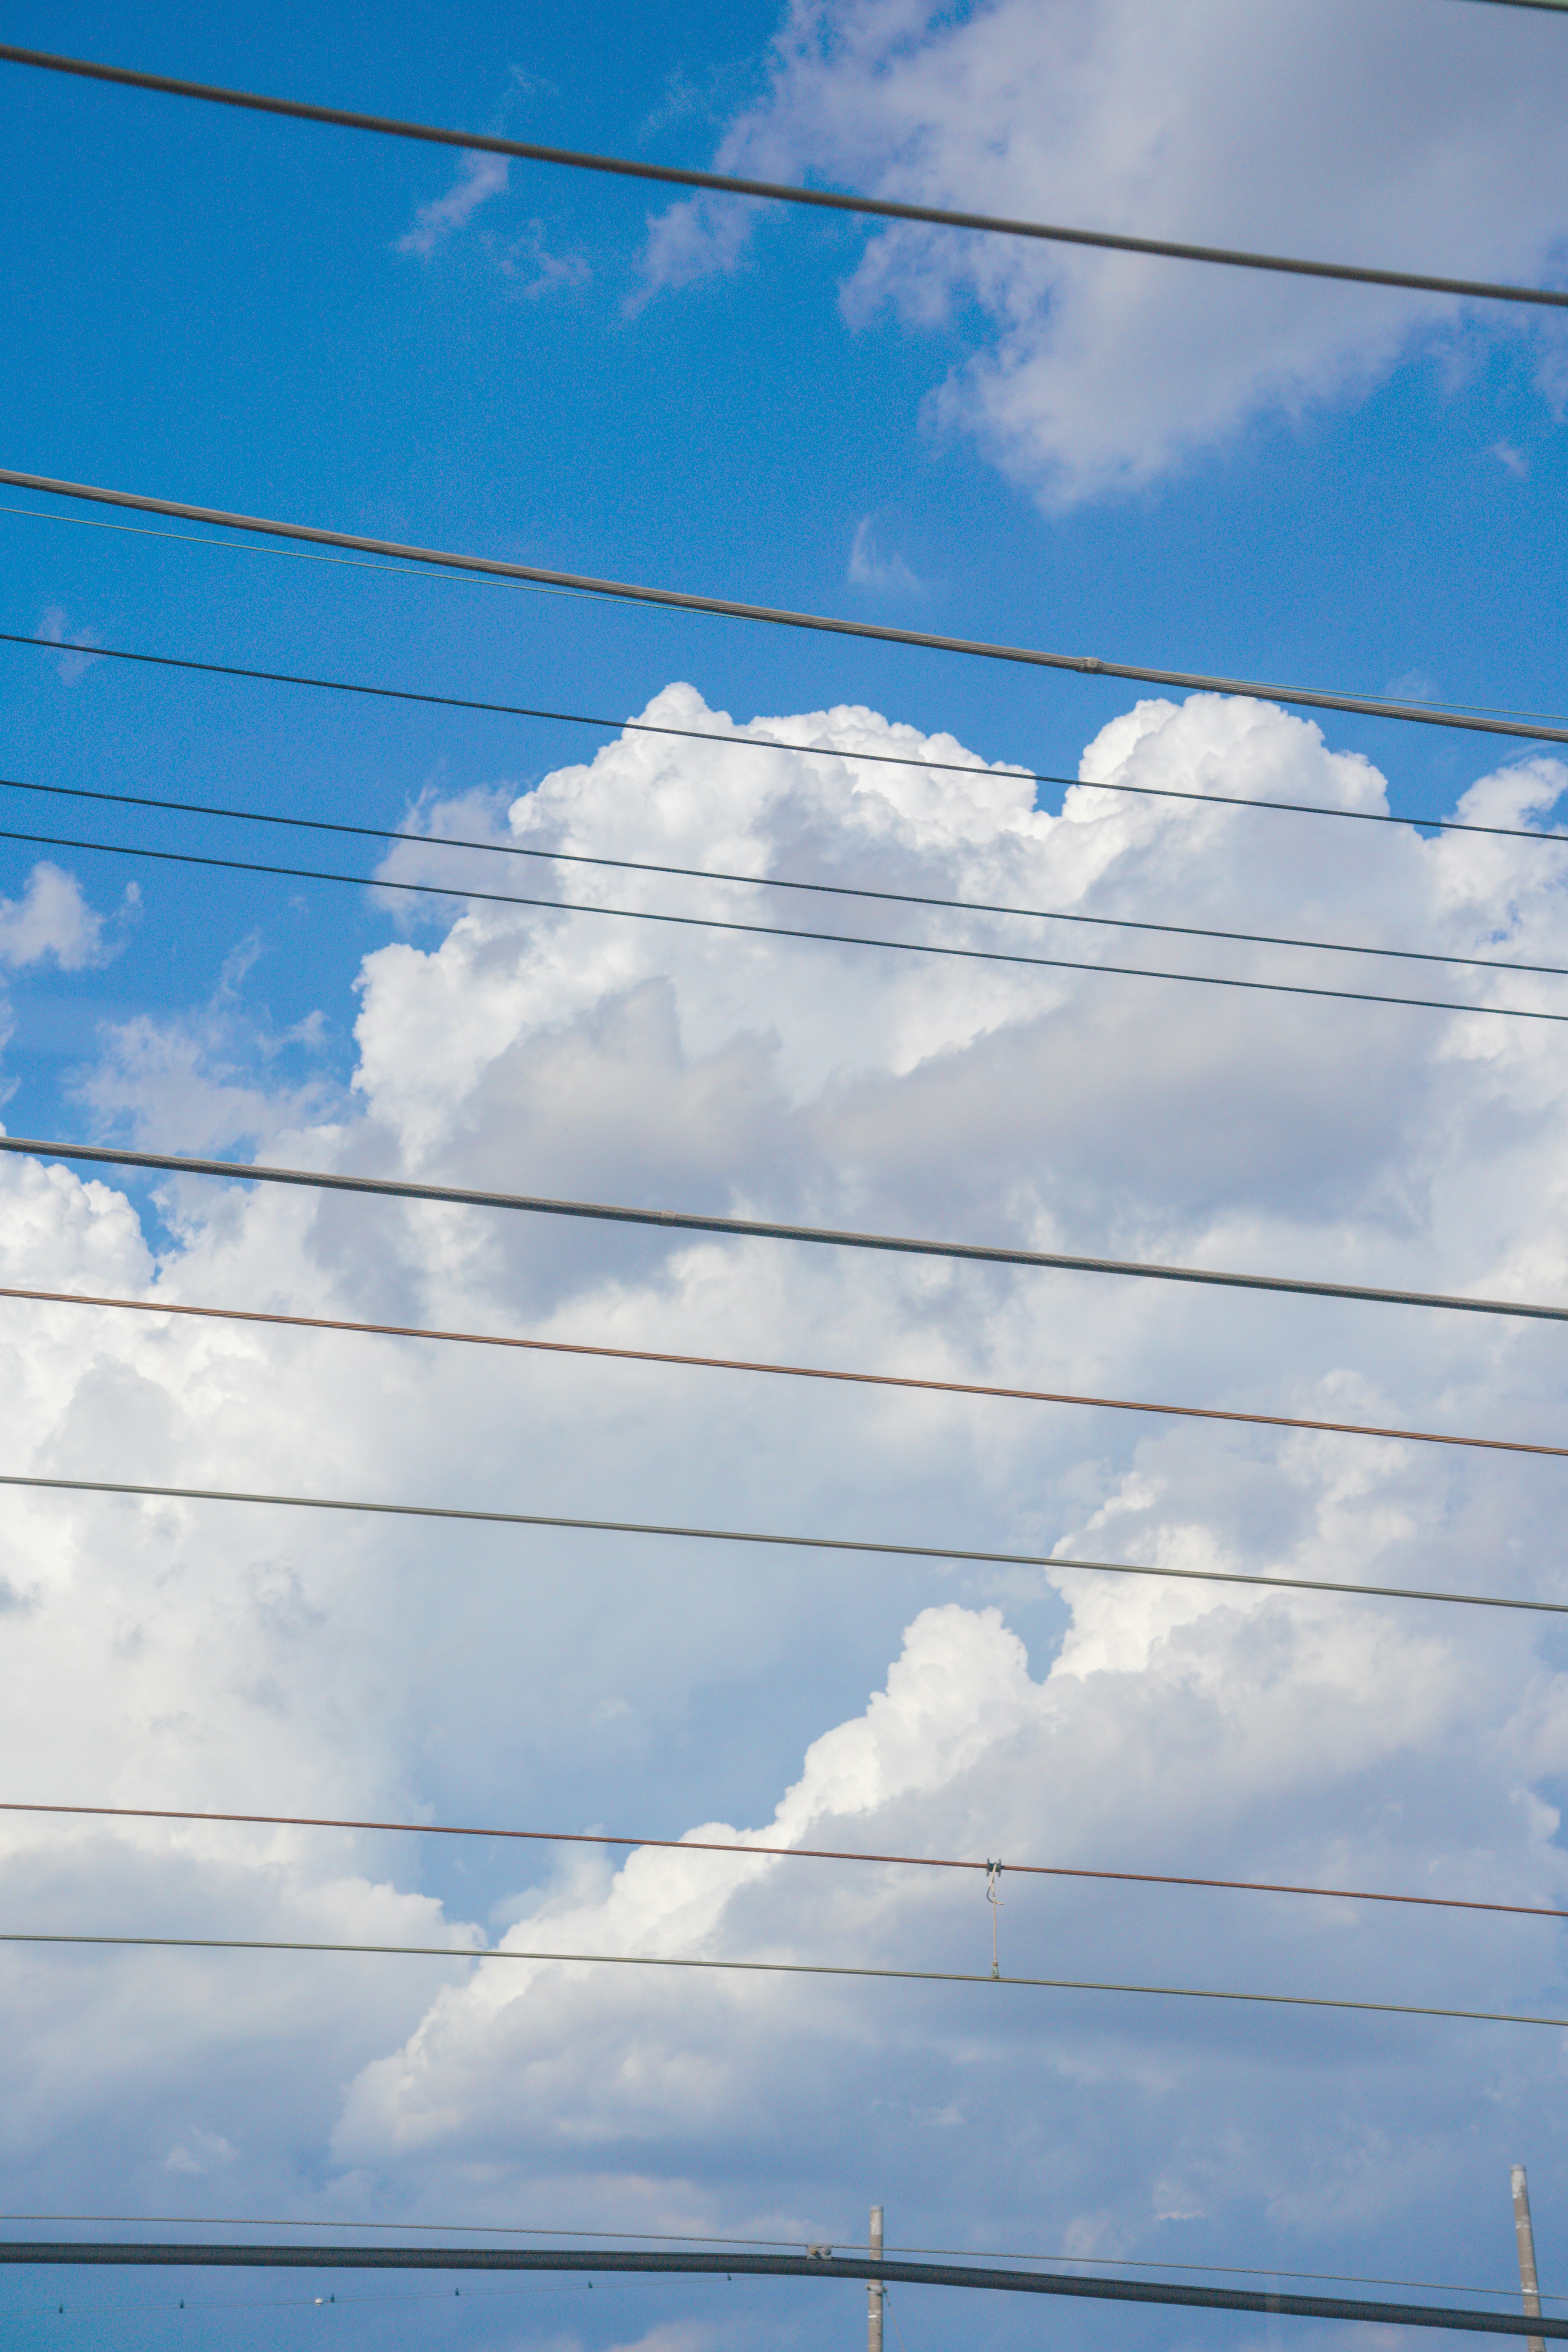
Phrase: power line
x=778 y=1968
x=139 y=2253
x=751 y=1535
x=712 y=2238
x=748 y=1848
x=758 y=1229
x=785 y=1372
x=761 y=881
x=726 y=608
x=780 y=192
x=733 y=738
x=790 y=931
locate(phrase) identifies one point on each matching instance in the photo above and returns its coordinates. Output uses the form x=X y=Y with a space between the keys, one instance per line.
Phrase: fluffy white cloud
x=1406 y=136
x=246 y=1658
x=51 y=918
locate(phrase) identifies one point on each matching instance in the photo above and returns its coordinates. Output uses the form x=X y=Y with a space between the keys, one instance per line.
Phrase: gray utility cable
x=782 y=192
x=732 y=924
x=735 y=740
x=712 y=2238
x=680 y=601
x=787 y=1543
x=758 y=1229
x=779 y=1969
x=140 y=2254
x=764 y=882
x=785 y=1372
x=704 y=2238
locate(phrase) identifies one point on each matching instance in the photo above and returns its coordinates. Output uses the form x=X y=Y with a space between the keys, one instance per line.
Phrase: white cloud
x=51 y=631
x=1394 y=136
x=870 y=567
x=252 y=1659
x=530 y=268
x=51 y=918
x=1512 y=460
x=480 y=176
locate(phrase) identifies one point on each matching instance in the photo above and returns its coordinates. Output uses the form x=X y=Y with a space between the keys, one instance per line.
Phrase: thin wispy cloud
x=51 y=631
x=871 y=567
x=480 y=177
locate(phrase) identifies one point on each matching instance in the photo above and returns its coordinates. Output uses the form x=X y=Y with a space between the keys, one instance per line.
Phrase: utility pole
x=1525 y=2236
x=876 y=2291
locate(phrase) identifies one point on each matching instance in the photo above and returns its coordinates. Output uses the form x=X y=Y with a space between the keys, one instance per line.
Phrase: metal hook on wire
x=993 y=1874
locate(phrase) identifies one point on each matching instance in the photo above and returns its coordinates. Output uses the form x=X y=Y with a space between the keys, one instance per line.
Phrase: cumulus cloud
x=480 y=177
x=1389 y=136
x=51 y=919
x=166 y=1653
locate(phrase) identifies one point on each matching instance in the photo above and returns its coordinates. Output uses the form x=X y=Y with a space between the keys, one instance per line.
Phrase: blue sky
x=1230 y=476
x=215 y=308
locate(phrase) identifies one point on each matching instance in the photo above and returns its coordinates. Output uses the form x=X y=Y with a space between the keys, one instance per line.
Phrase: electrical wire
x=783 y=1371
x=732 y=924
x=399 y=1188
x=818 y=2265
x=712 y=2238
x=770 y=882
x=769 y=1967
x=747 y=1848
x=1049 y=1561
x=706 y=735
x=780 y=192
x=316 y=555
x=881 y=632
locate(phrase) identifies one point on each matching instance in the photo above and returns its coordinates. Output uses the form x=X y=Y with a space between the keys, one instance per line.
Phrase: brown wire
x=786 y=1372
x=800 y=1853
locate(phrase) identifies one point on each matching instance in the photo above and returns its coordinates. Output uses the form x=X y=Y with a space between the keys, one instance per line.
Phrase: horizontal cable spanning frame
x=485 y=1952
x=710 y=2238
x=750 y=881
x=758 y=1229
x=147 y=1492
x=785 y=1372
x=784 y=191
x=677 y=600
x=140 y=2254
x=733 y=924
x=739 y=741
x=787 y=1854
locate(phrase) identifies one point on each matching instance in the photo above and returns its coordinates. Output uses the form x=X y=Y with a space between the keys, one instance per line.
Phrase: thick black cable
x=704 y=2238
x=786 y=930
x=678 y=599
x=782 y=192
x=768 y=882
x=399 y=1188
x=1052 y=1560
x=743 y=742
x=768 y=1968
x=140 y=2254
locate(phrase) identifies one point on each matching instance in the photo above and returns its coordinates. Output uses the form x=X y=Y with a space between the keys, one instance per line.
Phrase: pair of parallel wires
x=900 y=899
